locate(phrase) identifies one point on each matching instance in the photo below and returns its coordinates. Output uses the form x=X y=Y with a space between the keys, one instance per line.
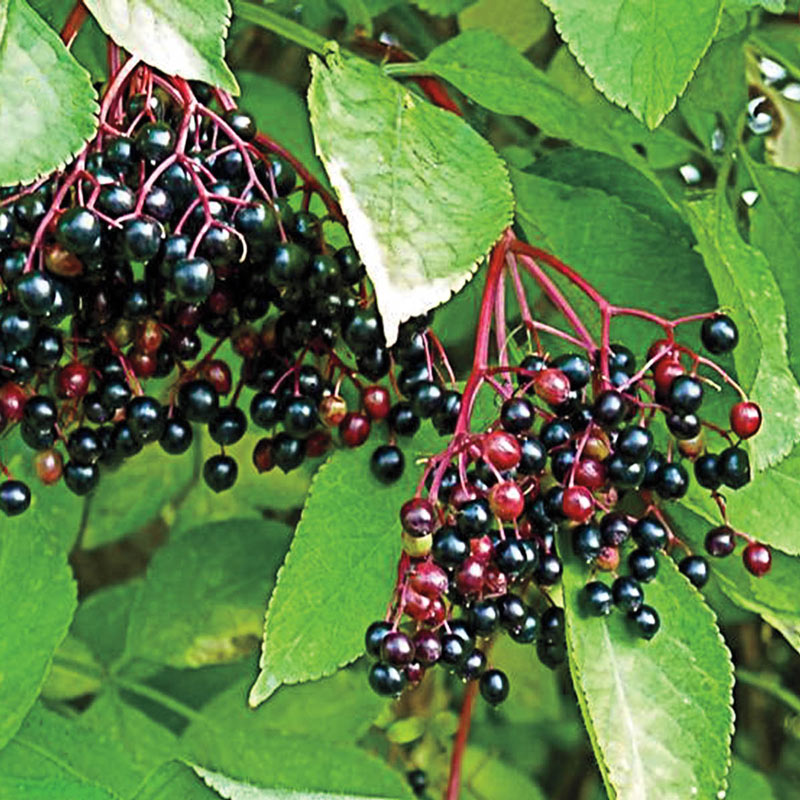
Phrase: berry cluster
x=584 y=454
x=177 y=230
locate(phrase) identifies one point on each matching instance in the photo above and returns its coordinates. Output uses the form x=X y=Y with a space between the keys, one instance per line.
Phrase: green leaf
x=640 y=54
x=520 y=22
x=746 y=783
x=292 y=766
x=744 y=282
x=442 y=8
x=773 y=6
x=36 y=606
x=44 y=90
x=659 y=713
x=203 y=598
x=774 y=597
x=489 y=776
x=115 y=511
x=50 y=748
x=75 y=671
x=407 y=175
x=102 y=621
x=47 y=789
x=772 y=230
x=174 y=780
x=349 y=519
x=182 y=37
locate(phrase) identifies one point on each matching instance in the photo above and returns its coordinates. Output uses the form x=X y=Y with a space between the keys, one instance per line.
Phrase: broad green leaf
x=36 y=605
x=202 y=601
x=442 y=8
x=182 y=37
x=407 y=175
x=520 y=22
x=659 y=713
x=488 y=776
x=102 y=621
x=48 y=106
x=299 y=764
x=772 y=230
x=781 y=42
x=349 y=520
x=744 y=283
x=773 y=597
x=282 y=114
x=174 y=780
x=746 y=783
x=640 y=54
x=335 y=708
x=46 y=789
x=51 y=748
x=773 y=6
x=75 y=671
x=115 y=510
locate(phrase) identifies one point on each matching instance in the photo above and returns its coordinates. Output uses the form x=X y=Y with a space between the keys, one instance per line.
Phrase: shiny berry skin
x=649 y=533
x=266 y=410
x=695 y=568
x=402 y=419
x=429 y=580
x=609 y=408
x=386 y=680
x=469 y=576
x=218 y=374
x=720 y=541
x=706 y=471
x=646 y=621
x=387 y=463
x=734 y=467
x=198 y=400
x=627 y=593
x=142 y=238
x=590 y=473
x=192 y=279
x=484 y=617
x=577 y=503
x=587 y=541
x=155 y=141
x=12 y=401
x=73 y=380
x=474 y=518
x=220 y=472
x=354 y=429
x=672 y=481
x=510 y=557
x=634 y=444
x=473 y=666
x=81 y=478
x=417 y=606
x=454 y=650
x=643 y=565
x=35 y=292
x=374 y=636
x=746 y=419
x=757 y=559
x=427 y=647
x=49 y=466
x=77 y=230
x=502 y=450
x=177 y=436
x=418 y=516
x=414 y=672
x=83 y=446
x=577 y=369
x=146 y=417
x=685 y=394
x=597 y=599
x=377 y=402
x=516 y=415
x=533 y=456
x=608 y=559
x=506 y=500
x=450 y=548
x=228 y=426
x=494 y=686
x=527 y=631
x=15 y=497
x=397 y=649
x=664 y=373
x=300 y=416
x=332 y=410
x=40 y=412
x=683 y=426
x=624 y=475
x=552 y=385
x=556 y=433
x=549 y=570
x=719 y=334
x=512 y=611
x=426 y=399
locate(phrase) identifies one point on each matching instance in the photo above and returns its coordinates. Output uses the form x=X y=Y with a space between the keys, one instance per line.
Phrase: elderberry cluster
x=177 y=230
x=572 y=462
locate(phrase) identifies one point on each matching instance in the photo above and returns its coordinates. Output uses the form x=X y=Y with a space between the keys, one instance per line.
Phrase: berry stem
x=464 y=722
x=74 y=23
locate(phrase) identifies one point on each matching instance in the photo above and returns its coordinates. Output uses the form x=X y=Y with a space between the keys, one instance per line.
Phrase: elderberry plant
x=468 y=352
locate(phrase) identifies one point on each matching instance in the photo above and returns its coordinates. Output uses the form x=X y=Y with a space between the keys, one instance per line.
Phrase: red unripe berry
x=48 y=465
x=377 y=402
x=397 y=648
x=481 y=548
x=496 y=581
x=262 y=455
x=578 y=503
x=597 y=446
x=415 y=672
x=418 y=516
x=143 y=364
x=664 y=372
x=608 y=559
x=219 y=302
x=745 y=419
x=354 y=429
x=463 y=494
x=218 y=374
x=506 y=500
x=188 y=317
x=149 y=336
x=590 y=473
x=552 y=385
x=12 y=401
x=470 y=575
x=757 y=559
x=318 y=443
x=429 y=579
x=73 y=380
x=663 y=348
x=246 y=342
x=332 y=410
x=417 y=605
x=62 y=262
x=438 y=612
x=502 y=450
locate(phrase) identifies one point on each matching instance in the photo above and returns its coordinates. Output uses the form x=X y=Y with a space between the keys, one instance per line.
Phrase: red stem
x=464 y=722
x=73 y=23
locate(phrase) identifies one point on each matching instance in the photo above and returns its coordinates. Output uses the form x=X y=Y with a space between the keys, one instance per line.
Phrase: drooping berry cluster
x=586 y=451
x=177 y=230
